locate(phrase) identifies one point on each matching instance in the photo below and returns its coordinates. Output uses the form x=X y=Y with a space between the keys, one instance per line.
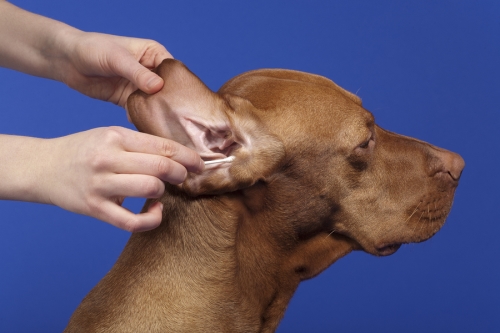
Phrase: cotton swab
x=222 y=160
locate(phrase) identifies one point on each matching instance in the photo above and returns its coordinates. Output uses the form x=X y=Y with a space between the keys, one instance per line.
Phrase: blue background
x=428 y=69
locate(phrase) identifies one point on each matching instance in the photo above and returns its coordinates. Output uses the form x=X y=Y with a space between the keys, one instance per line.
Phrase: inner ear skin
x=184 y=110
x=257 y=152
x=214 y=124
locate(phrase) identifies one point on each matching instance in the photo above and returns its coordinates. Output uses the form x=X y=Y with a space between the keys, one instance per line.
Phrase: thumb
x=140 y=76
x=146 y=80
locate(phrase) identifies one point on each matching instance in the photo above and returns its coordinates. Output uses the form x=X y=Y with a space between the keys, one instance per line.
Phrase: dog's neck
x=212 y=271
x=219 y=264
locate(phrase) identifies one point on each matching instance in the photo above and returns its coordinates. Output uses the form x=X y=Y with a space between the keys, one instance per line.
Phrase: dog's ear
x=216 y=126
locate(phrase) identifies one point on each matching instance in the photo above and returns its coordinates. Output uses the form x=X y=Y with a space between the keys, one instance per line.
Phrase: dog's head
x=307 y=154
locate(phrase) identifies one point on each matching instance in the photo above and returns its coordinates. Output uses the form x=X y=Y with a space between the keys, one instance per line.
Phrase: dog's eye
x=365 y=144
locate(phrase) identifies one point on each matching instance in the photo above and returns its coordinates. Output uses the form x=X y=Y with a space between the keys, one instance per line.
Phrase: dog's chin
x=391 y=247
x=378 y=248
x=382 y=250
x=387 y=250
x=390 y=244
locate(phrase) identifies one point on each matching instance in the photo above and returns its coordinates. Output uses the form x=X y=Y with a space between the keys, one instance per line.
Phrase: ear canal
x=258 y=155
x=184 y=110
x=216 y=126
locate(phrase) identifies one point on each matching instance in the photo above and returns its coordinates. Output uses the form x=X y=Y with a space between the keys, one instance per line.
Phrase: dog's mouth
x=388 y=249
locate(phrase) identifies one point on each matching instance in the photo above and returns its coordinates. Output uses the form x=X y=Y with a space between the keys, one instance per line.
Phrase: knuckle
x=102 y=156
x=112 y=135
x=151 y=42
x=164 y=167
x=167 y=148
x=100 y=161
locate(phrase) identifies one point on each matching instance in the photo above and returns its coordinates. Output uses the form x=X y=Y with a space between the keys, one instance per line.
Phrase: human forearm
x=22 y=160
x=101 y=66
x=31 y=43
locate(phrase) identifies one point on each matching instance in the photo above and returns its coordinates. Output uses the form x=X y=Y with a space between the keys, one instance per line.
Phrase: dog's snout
x=450 y=163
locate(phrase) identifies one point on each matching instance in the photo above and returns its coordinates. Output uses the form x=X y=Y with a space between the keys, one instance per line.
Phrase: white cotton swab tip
x=222 y=160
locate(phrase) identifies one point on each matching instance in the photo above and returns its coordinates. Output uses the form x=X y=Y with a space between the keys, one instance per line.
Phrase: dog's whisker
x=409 y=217
x=414 y=228
x=421 y=224
x=330 y=234
x=324 y=239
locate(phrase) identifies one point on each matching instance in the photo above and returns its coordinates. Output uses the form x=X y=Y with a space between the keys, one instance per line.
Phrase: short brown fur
x=314 y=178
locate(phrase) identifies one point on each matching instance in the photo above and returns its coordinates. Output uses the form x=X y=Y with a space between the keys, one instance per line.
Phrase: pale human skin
x=93 y=171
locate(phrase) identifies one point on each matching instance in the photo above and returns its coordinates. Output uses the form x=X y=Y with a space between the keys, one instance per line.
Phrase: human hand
x=92 y=172
x=109 y=67
x=101 y=66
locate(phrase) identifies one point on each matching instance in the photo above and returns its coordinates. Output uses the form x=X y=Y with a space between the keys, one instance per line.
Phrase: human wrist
x=59 y=51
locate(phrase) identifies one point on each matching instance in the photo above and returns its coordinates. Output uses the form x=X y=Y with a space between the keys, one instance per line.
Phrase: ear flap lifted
x=215 y=126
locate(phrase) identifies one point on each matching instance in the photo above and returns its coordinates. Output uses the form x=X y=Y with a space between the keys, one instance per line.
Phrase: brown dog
x=313 y=179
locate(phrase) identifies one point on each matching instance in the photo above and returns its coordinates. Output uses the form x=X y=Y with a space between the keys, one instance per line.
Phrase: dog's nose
x=452 y=163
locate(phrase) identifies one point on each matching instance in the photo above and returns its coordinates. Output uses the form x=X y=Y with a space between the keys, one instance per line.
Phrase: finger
x=126 y=220
x=146 y=80
x=154 y=56
x=139 y=186
x=127 y=66
x=150 y=144
x=153 y=53
x=160 y=167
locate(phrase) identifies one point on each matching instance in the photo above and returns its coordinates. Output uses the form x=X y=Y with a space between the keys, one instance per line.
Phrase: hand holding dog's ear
x=101 y=66
x=111 y=67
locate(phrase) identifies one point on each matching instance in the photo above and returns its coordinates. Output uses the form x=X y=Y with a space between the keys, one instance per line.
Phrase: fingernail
x=201 y=167
x=157 y=203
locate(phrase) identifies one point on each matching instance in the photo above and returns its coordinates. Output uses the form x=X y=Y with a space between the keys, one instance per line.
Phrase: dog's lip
x=388 y=249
